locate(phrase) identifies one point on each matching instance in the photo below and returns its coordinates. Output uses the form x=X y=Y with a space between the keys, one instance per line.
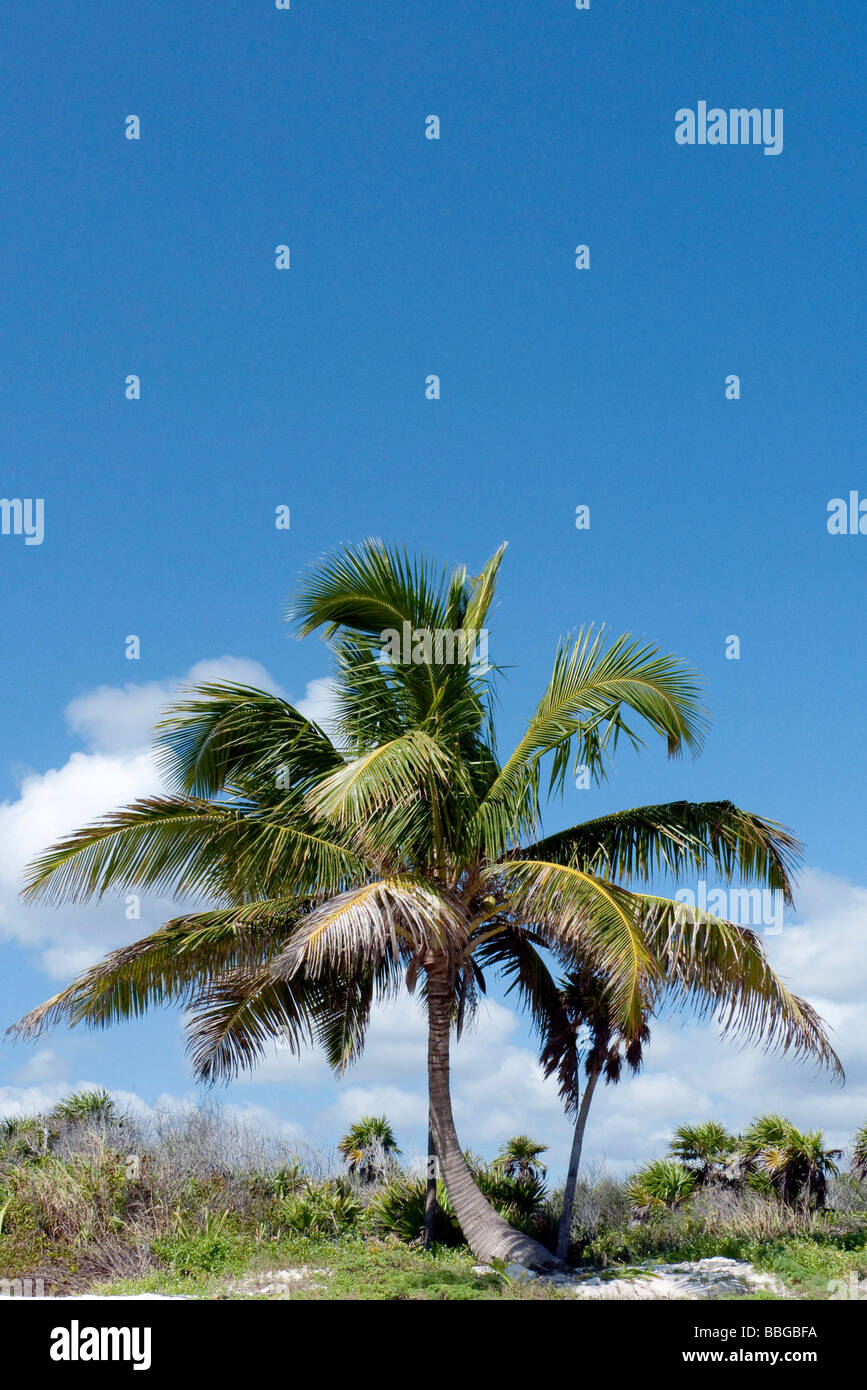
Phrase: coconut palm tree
x=370 y=1148
x=521 y=1158
x=581 y=1034
x=401 y=851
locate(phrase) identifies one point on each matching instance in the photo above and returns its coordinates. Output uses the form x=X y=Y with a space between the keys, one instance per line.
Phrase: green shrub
x=322 y=1209
x=664 y=1182
x=399 y=1207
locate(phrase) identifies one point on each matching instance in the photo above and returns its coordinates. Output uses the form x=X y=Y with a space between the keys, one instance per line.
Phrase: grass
x=344 y=1269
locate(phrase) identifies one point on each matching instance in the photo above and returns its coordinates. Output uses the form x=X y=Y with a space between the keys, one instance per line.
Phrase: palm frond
x=576 y=913
x=186 y=847
x=369 y=588
x=169 y=965
x=677 y=837
x=580 y=718
x=401 y=918
x=407 y=767
x=719 y=968
x=222 y=731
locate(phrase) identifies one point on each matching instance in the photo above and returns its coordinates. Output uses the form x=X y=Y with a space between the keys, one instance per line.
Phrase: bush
x=400 y=1206
x=664 y=1182
x=324 y=1209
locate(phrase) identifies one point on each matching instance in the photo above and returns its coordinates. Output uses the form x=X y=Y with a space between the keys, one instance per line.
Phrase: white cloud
x=116 y=724
x=119 y=719
x=44 y=1065
x=318 y=704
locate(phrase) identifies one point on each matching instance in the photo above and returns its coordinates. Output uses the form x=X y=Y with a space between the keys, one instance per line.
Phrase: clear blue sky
x=454 y=257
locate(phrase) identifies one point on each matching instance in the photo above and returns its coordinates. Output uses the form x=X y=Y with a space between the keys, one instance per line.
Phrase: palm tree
x=521 y=1158
x=664 y=1182
x=795 y=1163
x=370 y=1148
x=402 y=851
x=581 y=1028
x=95 y=1105
x=705 y=1147
x=859 y=1154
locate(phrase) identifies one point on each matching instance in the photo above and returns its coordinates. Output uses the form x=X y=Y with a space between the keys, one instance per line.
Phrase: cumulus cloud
x=118 y=719
x=115 y=723
x=44 y=1065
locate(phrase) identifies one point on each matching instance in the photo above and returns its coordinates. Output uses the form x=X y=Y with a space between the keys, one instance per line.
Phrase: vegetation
x=213 y=1204
x=705 y=1148
x=370 y=1148
x=661 y=1183
x=403 y=850
x=521 y=1157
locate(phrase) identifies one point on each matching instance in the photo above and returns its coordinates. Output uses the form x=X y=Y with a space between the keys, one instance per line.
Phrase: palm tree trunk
x=430 y=1196
x=565 y=1229
x=487 y=1234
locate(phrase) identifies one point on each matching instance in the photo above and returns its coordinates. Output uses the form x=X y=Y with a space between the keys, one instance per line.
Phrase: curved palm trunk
x=565 y=1229
x=487 y=1234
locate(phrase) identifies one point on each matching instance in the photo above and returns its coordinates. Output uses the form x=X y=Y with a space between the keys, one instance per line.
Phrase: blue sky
x=307 y=387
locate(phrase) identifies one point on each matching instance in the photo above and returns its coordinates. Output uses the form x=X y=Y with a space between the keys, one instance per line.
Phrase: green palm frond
x=678 y=837
x=222 y=731
x=580 y=718
x=707 y=1144
x=716 y=967
x=481 y=590
x=186 y=847
x=408 y=767
x=515 y=953
x=369 y=588
x=238 y=1017
x=341 y=1024
x=578 y=914
x=173 y=844
x=169 y=966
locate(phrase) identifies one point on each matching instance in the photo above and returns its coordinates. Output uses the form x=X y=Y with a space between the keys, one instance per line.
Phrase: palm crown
x=400 y=849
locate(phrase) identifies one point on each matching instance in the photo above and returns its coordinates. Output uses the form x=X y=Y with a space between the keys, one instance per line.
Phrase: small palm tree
x=581 y=1035
x=859 y=1154
x=795 y=1163
x=705 y=1148
x=663 y=1183
x=94 y=1106
x=370 y=1148
x=520 y=1158
x=403 y=852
